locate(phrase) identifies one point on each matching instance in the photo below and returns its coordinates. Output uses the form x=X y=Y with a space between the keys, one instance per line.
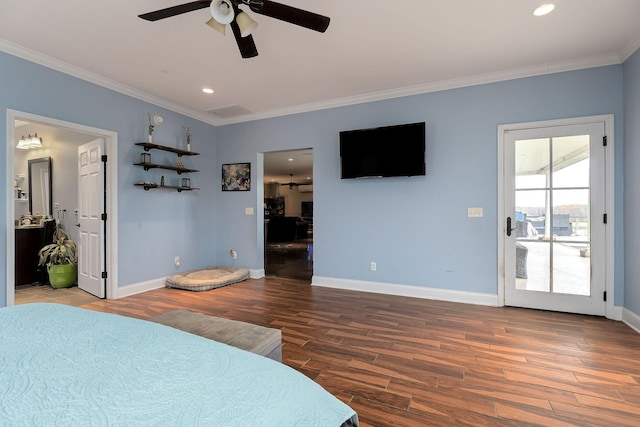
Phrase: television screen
x=383 y=151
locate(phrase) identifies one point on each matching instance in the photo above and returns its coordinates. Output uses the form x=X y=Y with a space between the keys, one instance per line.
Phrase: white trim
x=608 y=121
x=138 y=288
x=111 y=150
x=81 y=73
x=629 y=49
x=406 y=290
x=256 y=273
x=500 y=76
x=511 y=74
x=632 y=319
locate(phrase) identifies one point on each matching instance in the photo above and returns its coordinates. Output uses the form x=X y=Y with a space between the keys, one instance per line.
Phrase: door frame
x=609 y=250
x=111 y=150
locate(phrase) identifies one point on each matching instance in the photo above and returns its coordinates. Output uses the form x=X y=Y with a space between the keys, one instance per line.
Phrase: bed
x=62 y=365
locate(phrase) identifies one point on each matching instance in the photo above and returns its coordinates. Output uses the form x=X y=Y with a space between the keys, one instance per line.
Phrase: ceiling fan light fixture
x=246 y=24
x=222 y=11
x=221 y=28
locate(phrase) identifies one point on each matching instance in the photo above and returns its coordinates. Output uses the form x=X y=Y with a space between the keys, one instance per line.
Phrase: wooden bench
x=246 y=336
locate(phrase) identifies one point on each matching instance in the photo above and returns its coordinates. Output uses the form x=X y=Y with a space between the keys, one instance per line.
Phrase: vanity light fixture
x=29 y=142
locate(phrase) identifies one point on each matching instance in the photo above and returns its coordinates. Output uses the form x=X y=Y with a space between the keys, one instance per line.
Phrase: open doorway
x=288 y=213
x=60 y=142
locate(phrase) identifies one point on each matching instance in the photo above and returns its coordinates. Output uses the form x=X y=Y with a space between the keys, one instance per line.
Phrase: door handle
x=509 y=229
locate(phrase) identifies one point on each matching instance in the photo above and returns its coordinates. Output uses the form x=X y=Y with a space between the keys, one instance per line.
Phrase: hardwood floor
x=293 y=260
x=409 y=362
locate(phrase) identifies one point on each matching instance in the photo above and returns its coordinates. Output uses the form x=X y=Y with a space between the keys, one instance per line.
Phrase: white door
x=91 y=206
x=554 y=211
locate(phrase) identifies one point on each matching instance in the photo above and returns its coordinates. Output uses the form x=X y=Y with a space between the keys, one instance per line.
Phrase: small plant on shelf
x=150 y=127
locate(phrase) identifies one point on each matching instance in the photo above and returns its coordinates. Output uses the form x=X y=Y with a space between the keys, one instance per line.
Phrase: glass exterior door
x=555 y=230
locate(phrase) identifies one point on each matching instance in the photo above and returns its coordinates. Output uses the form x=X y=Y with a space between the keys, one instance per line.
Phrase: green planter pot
x=62 y=276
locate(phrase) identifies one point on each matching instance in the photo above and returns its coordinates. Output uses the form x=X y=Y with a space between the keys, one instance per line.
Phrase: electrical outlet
x=374 y=266
x=56 y=206
x=177 y=261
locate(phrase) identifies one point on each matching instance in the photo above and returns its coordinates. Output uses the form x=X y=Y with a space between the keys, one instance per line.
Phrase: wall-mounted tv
x=383 y=151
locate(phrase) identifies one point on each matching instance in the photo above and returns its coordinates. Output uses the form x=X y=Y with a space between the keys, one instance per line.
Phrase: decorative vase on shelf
x=187 y=134
x=180 y=164
x=150 y=138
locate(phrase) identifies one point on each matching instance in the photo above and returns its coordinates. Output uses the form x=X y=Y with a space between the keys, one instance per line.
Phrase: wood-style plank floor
x=409 y=362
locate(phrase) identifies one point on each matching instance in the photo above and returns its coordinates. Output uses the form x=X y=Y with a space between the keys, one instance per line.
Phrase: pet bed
x=208 y=278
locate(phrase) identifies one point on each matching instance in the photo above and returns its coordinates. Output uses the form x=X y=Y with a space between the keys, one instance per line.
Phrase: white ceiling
x=289 y=166
x=373 y=49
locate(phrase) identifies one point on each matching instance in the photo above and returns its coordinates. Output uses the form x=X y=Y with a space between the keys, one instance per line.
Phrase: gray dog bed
x=207 y=278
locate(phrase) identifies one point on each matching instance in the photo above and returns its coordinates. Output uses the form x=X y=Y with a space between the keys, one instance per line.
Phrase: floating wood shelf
x=178 y=169
x=148 y=186
x=149 y=146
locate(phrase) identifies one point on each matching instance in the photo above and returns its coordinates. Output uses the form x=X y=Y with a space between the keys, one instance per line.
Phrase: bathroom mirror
x=40 y=184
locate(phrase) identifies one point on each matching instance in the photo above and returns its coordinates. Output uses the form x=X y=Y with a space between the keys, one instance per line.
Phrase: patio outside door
x=554 y=212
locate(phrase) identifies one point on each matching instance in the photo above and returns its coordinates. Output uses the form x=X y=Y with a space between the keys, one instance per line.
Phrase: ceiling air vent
x=229 y=111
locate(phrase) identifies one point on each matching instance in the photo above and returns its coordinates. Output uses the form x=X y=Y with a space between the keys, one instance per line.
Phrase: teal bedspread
x=62 y=365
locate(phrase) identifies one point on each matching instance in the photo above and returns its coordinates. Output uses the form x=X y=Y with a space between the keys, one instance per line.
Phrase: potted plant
x=61 y=260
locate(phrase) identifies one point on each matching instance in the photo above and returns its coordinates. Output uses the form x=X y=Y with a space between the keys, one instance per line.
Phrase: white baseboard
x=407 y=291
x=138 y=288
x=257 y=273
x=631 y=319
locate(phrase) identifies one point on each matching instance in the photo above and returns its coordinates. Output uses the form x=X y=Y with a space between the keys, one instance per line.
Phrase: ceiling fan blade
x=175 y=10
x=290 y=14
x=245 y=44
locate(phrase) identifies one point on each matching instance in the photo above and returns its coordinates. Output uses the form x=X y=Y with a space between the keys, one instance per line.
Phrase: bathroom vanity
x=29 y=239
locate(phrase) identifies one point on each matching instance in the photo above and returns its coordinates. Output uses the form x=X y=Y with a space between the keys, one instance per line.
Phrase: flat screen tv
x=383 y=151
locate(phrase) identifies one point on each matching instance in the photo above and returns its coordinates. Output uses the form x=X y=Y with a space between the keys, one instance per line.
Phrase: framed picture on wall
x=236 y=177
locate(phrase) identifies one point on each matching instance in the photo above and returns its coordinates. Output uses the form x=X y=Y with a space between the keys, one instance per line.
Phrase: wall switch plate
x=177 y=261
x=374 y=266
x=248 y=211
x=475 y=212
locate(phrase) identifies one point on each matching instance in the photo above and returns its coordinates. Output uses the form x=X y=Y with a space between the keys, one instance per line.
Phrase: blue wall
x=632 y=178
x=417 y=229
x=154 y=226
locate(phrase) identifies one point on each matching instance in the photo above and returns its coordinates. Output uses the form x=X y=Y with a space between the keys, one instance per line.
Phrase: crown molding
x=82 y=74
x=629 y=49
x=512 y=74
x=499 y=76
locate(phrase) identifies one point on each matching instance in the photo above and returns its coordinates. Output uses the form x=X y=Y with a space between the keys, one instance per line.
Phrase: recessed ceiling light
x=291 y=160
x=544 y=9
x=207 y=90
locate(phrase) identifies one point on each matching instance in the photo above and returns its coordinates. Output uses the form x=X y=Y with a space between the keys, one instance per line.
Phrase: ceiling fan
x=225 y=12
x=292 y=184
